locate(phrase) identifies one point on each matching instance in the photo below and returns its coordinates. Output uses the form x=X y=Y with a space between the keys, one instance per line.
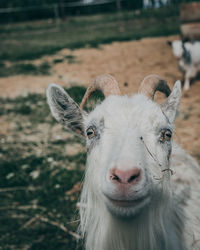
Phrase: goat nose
x=131 y=176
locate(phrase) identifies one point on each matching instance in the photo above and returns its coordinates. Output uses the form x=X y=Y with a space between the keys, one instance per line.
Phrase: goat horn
x=153 y=83
x=106 y=83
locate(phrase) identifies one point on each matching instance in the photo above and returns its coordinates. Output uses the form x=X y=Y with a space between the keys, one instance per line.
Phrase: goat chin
x=128 y=228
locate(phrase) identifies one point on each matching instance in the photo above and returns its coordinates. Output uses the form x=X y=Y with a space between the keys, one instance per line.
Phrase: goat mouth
x=125 y=203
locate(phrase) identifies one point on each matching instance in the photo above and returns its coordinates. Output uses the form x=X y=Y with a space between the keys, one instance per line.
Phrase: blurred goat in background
x=188 y=54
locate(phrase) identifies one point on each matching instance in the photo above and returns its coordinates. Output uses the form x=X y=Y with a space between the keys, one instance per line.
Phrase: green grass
x=47 y=192
x=58 y=60
x=31 y=40
x=25 y=69
x=35 y=174
x=71 y=59
x=35 y=106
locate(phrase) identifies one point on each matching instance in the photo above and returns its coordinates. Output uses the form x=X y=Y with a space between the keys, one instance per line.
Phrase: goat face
x=177 y=48
x=128 y=144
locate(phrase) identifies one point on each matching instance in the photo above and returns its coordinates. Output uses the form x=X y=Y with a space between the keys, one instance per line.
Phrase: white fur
x=128 y=131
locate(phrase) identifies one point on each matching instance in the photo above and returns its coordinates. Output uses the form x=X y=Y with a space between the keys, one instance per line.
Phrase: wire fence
x=63 y=9
x=52 y=6
x=56 y=10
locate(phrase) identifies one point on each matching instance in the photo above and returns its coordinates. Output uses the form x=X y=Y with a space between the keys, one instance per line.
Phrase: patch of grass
x=2 y=64
x=77 y=93
x=35 y=107
x=43 y=196
x=35 y=176
x=71 y=59
x=58 y=60
x=27 y=41
x=25 y=69
x=32 y=105
x=44 y=68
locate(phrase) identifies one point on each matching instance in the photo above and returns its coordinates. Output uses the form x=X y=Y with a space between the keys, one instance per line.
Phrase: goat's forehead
x=177 y=43
x=133 y=110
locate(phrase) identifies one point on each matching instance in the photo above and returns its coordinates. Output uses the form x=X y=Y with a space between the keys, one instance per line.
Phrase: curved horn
x=106 y=83
x=153 y=83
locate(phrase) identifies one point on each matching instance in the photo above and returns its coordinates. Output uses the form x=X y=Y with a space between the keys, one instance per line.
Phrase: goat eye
x=90 y=133
x=166 y=135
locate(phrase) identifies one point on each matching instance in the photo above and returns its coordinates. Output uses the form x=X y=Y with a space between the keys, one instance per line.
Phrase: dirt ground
x=129 y=62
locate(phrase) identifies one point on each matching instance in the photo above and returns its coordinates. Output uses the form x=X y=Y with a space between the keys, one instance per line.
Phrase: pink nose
x=132 y=176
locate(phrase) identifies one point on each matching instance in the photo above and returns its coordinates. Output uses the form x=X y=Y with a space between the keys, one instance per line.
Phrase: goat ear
x=64 y=109
x=170 y=107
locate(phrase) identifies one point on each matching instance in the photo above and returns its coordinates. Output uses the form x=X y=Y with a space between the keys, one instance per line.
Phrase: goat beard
x=98 y=220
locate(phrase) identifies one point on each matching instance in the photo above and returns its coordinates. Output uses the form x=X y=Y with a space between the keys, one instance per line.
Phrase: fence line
x=56 y=5
x=58 y=8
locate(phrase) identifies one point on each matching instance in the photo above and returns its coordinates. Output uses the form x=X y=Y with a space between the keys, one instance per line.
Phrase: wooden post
x=56 y=13
x=190 y=20
x=62 y=9
x=118 y=2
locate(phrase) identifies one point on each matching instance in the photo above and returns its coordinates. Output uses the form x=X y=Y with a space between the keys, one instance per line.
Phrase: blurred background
x=69 y=43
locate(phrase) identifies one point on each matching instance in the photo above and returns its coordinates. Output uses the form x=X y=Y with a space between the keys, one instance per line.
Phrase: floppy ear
x=64 y=109
x=170 y=107
x=169 y=43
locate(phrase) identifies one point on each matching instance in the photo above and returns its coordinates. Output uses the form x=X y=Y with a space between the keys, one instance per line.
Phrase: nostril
x=114 y=177
x=135 y=176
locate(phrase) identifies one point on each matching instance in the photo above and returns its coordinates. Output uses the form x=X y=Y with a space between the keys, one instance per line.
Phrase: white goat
x=188 y=54
x=128 y=201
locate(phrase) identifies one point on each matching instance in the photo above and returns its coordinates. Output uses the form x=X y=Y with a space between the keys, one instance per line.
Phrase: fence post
x=56 y=13
x=62 y=9
x=118 y=2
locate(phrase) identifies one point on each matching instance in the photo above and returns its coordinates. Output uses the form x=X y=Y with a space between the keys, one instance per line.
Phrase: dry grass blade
x=57 y=224
x=13 y=189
